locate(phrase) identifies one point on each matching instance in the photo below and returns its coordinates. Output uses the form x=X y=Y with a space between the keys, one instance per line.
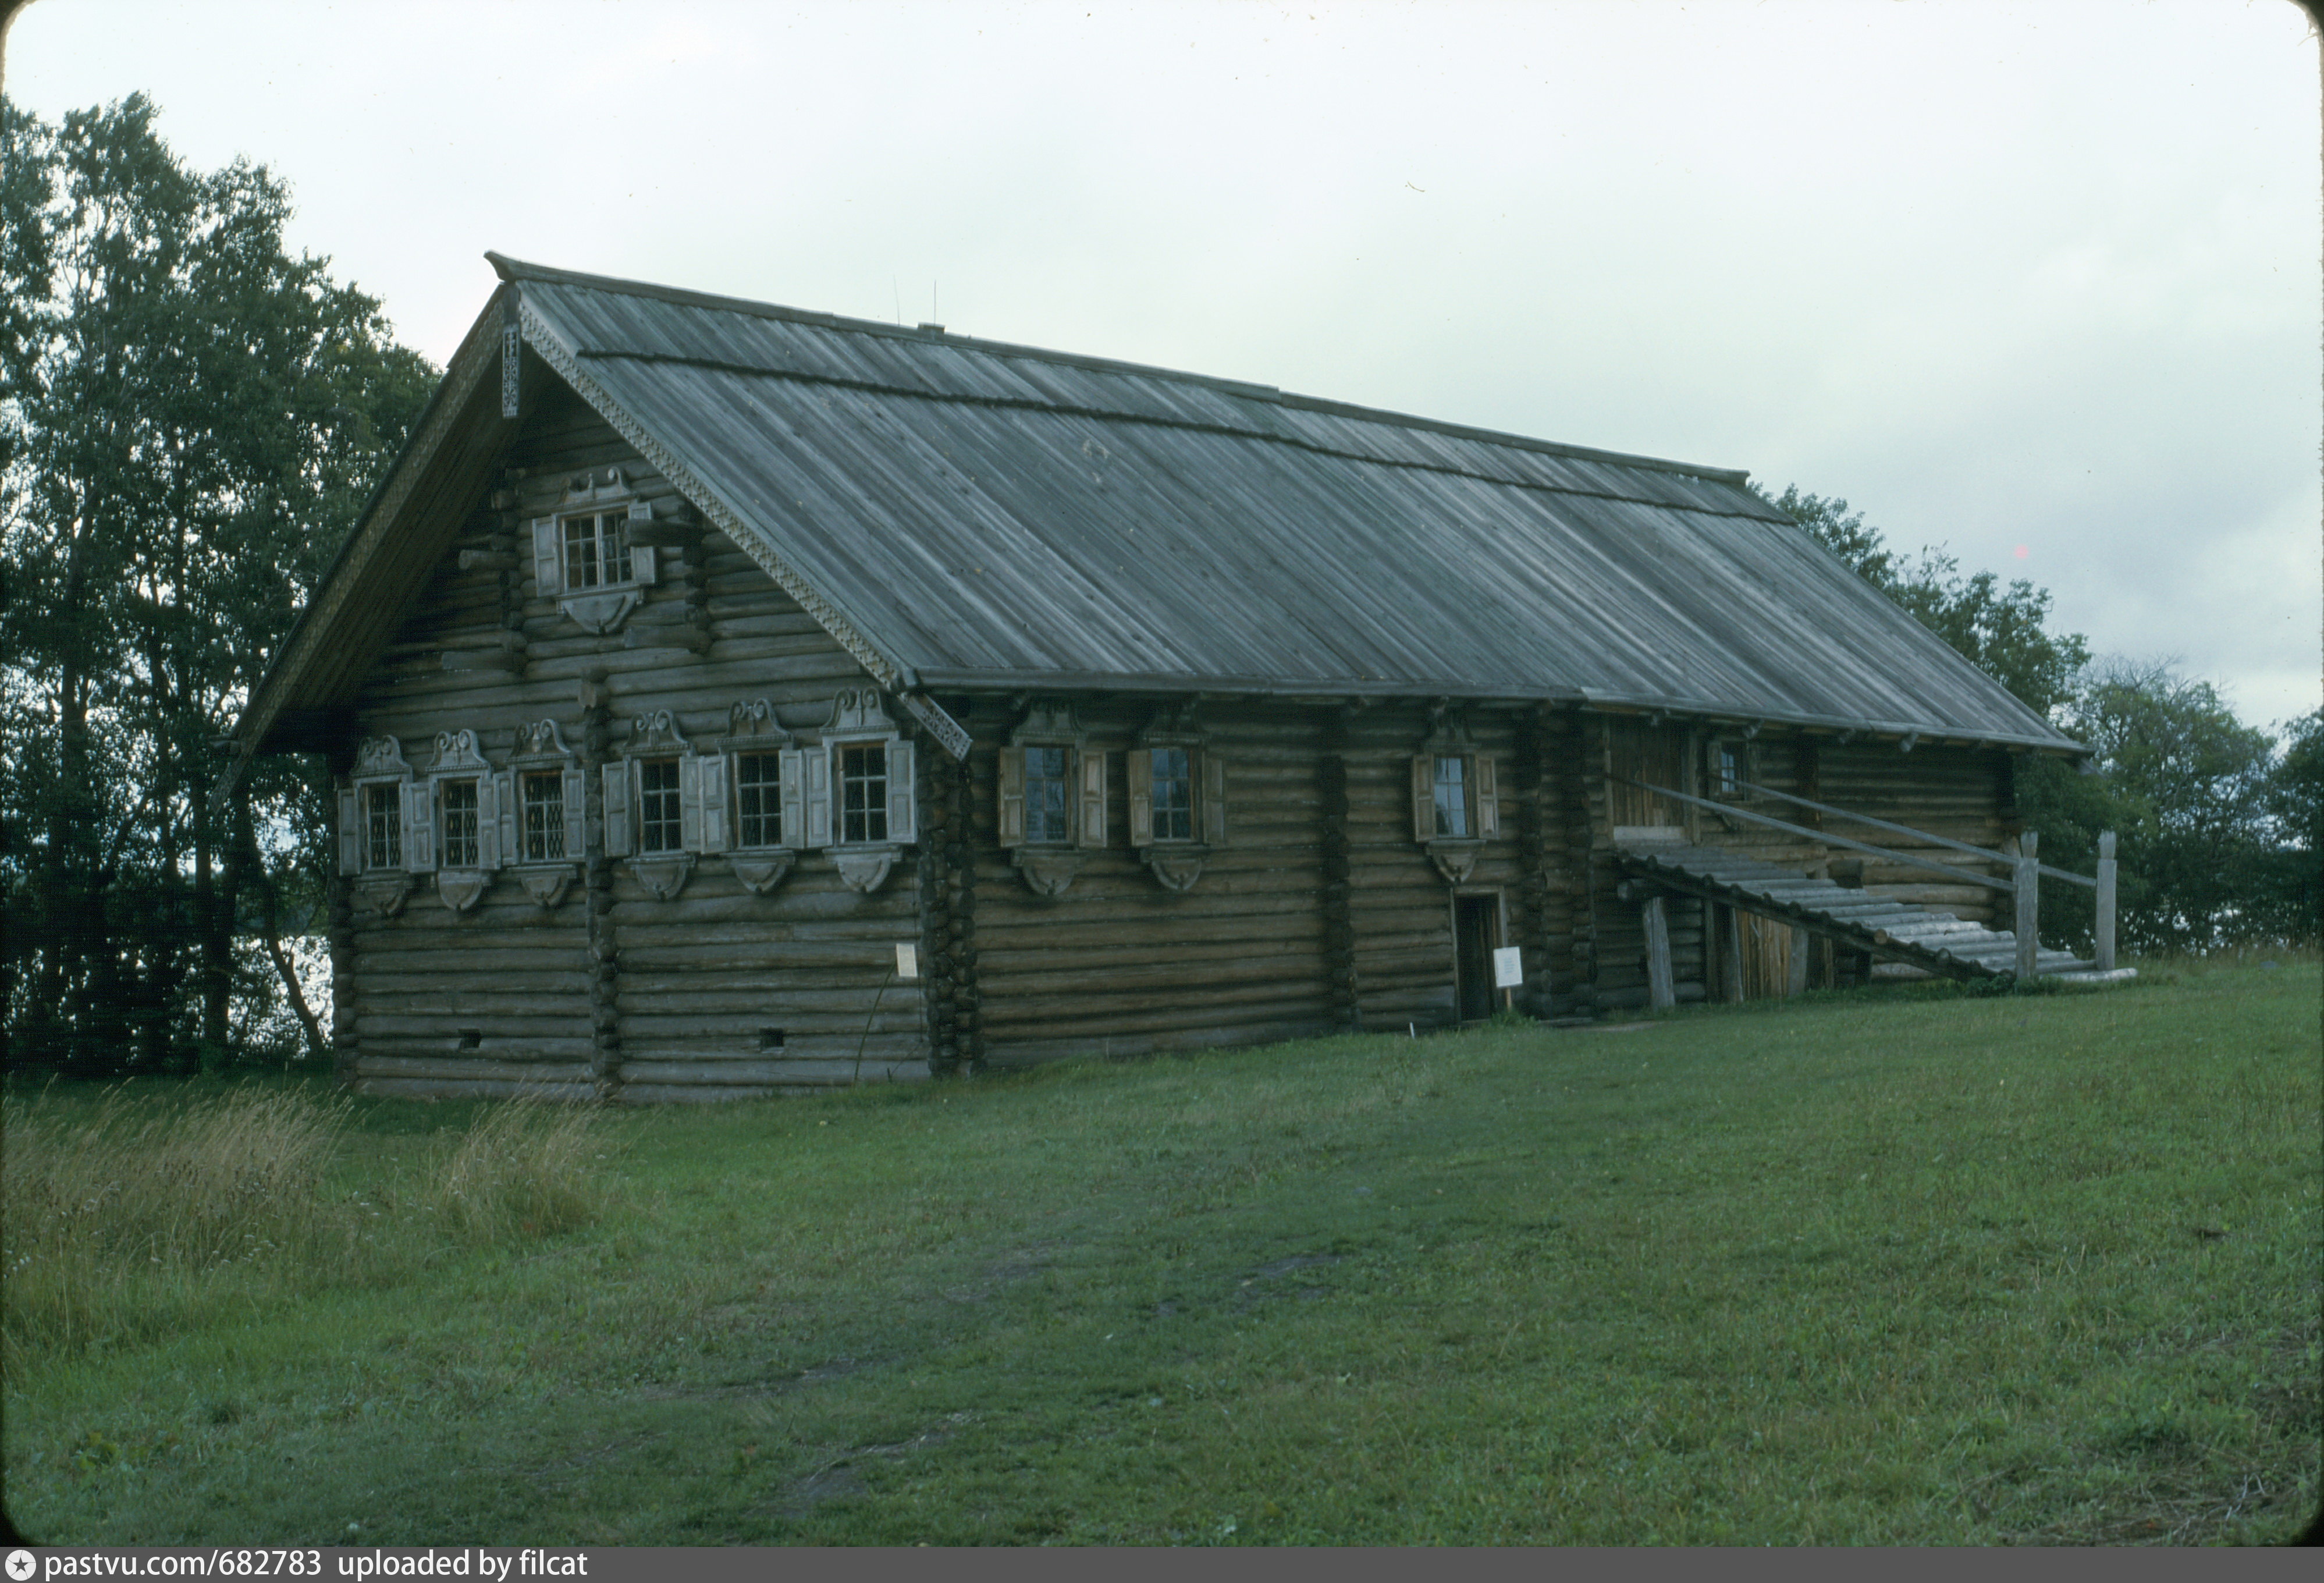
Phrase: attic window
x=596 y=548
x=1453 y=791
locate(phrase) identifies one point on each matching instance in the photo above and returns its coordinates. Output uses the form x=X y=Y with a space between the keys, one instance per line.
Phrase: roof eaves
x=428 y=431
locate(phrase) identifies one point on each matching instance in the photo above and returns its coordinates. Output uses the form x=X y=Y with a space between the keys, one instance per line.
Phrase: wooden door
x=1476 y=932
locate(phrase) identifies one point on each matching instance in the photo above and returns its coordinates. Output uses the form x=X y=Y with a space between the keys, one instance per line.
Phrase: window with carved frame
x=542 y=808
x=381 y=834
x=660 y=824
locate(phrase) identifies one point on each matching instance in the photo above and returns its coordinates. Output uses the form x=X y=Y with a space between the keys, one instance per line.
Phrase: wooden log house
x=697 y=653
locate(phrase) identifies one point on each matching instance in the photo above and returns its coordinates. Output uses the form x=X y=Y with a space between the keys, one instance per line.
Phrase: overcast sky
x=2037 y=282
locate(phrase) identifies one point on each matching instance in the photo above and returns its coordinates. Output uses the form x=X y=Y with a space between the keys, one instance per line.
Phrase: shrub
x=523 y=1168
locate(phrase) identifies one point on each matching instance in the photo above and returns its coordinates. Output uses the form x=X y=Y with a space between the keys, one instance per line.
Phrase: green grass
x=1906 y=1267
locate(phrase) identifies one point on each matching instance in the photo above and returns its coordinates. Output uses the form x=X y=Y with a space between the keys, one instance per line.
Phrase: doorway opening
x=1476 y=932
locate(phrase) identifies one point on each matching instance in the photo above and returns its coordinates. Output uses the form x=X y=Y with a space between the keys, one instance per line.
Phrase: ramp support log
x=2102 y=941
x=2029 y=902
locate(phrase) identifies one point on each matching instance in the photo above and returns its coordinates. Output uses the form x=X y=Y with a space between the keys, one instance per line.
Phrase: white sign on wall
x=1509 y=967
x=908 y=961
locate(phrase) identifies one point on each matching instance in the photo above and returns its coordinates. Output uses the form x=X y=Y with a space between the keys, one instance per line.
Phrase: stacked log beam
x=597 y=884
x=948 y=913
x=1339 y=914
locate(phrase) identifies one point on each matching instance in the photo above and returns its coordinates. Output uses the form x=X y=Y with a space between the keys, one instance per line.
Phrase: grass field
x=1891 y=1268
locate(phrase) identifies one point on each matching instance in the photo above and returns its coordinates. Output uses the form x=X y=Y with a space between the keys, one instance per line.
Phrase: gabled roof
x=965 y=514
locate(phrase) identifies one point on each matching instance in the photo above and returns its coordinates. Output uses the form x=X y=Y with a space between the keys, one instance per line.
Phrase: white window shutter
x=1013 y=796
x=576 y=815
x=419 y=826
x=1488 y=798
x=1092 y=814
x=794 y=772
x=817 y=766
x=617 y=808
x=547 y=563
x=351 y=831
x=712 y=783
x=689 y=803
x=1423 y=798
x=488 y=821
x=1214 y=800
x=903 y=800
x=1138 y=769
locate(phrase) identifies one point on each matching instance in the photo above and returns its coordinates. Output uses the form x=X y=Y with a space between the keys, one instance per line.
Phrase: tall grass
x=120 y=1224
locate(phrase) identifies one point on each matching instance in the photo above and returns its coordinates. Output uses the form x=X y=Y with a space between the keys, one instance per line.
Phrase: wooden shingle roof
x=964 y=513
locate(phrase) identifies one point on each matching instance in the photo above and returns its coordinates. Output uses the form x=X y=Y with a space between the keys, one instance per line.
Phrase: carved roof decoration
x=378 y=757
x=654 y=736
x=540 y=743
x=457 y=754
x=752 y=726
x=856 y=712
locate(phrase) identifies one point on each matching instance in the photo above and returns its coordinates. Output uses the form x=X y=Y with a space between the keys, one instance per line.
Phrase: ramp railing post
x=2029 y=902
x=2102 y=942
x=1660 y=992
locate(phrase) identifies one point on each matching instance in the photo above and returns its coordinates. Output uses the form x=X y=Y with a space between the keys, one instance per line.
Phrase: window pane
x=863 y=793
x=1044 y=794
x=544 y=818
x=658 y=826
x=383 y=826
x=459 y=804
x=1173 y=795
x=1451 y=795
x=582 y=570
x=759 y=799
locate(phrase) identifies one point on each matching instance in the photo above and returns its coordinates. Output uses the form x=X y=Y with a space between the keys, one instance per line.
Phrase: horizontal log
x=488 y=561
x=455 y=1089
x=500 y=1071
x=732 y=1073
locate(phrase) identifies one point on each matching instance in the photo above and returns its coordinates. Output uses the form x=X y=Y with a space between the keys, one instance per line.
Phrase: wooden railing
x=2025 y=871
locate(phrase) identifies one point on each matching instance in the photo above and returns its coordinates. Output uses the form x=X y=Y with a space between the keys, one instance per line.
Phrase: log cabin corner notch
x=733 y=645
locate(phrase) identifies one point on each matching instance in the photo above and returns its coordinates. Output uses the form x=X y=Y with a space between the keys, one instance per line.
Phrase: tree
x=188 y=422
x=2003 y=632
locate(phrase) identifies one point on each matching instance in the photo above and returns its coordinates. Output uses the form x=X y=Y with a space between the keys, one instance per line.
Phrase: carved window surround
x=376 y=806
x=1455 y=797
x=1050 y=860
x=661 y=850
x=868 y=811
x=583 y=556
x=545 y=861
x=1176 y=820
x=761 y=864
x=463 y=797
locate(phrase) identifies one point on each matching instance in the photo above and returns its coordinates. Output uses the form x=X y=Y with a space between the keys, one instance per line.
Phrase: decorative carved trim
x=457 y=754
x=601 y=614
x=856 y=712
x=949 y=733
x=589 y=489
x=864 y=868
x=462 y=888
x=554 y=352
x=655 y=734
x=1178 y=867
x=1049 y=723
x=379 y=757
x=546 y=886
x=1174 y=724
x=541 y=743
x=1048 y=871
x=1455 y=858
x=763 y=874
x=662 y=875
x=383 y=891
x=752 y=727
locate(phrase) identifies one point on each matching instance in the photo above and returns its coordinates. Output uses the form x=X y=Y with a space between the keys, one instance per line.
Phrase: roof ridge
x=517 y=270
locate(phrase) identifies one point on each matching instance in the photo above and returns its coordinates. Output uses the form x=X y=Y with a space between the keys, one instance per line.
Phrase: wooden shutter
x=903 y=802
x=419 y=826
x=711 y=784
x=488 y=821
x=793 y=795
x=1138 y=770
x=547 y=563
x=689 y=803
x=1013 y=796
x=1423 y=797
x=351 y=830
x=576 y=815
x=1214 y=800
x=1092 y=810
x=642 y=556
x=617 y=808
x=1488 y=798
x=817 y=766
